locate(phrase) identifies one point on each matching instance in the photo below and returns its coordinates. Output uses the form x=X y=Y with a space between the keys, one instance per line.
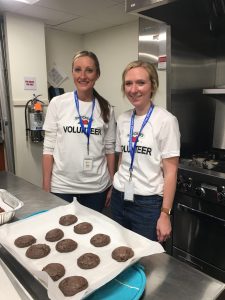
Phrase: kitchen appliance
x=199 y=218
x=185 y=39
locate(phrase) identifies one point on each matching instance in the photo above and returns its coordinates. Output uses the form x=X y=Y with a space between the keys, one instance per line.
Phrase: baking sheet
x=6 y=287
x=108 y=268
x=10 y=287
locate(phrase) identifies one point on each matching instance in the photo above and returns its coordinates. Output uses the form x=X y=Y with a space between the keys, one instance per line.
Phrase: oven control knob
x=220 y=193
x=187 y=184
x=180 y=181
x=200 y=192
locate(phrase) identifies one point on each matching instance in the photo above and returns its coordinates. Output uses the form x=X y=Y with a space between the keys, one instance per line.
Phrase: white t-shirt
x=68 y=145
x=159 y=139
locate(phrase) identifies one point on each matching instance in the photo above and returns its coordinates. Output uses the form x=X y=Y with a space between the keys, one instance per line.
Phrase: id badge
x=88 y=163
x=129 y=191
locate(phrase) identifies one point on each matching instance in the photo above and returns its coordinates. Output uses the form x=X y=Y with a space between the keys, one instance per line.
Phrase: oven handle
x=200 y=213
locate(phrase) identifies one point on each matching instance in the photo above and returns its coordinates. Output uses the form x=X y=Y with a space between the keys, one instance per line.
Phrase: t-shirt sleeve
x=49 y=142
x=50 y=127
x=50 y=123
x=169 y=138
x=110 y=134
x=118 y=136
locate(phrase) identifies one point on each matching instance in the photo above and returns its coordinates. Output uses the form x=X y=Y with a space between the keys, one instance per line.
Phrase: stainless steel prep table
x=167 y=278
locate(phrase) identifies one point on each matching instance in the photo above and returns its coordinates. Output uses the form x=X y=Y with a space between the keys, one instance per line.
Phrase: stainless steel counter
x=167 y=278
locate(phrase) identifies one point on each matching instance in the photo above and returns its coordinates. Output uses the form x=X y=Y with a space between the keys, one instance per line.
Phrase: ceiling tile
x=117 y=15
x=78 y=16
x=81 y=26
x=50 y=16
x=80 y=7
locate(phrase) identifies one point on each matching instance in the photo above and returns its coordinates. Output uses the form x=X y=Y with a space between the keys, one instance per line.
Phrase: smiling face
x=138 y=89
x=85 y=74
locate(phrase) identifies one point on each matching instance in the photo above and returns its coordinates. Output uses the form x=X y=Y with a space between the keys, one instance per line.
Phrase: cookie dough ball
x=100 y=240
x=38 y=251
x=83 y=228
x=66 y=245
x=72 y=285
x=25 y=241
x=122 y=253
x=67 y=220
x=88 y=261
x=55 y=270
x=54 y=235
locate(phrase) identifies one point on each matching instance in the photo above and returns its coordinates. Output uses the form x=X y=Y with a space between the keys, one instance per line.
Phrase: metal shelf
x=216 y=93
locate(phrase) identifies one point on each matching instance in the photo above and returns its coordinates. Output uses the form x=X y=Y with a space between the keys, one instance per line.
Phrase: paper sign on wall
x=30 y=83
x=56 y=76
x=162 y=62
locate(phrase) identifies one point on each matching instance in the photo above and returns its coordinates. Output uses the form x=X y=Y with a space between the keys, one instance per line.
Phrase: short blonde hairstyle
x=151 y=70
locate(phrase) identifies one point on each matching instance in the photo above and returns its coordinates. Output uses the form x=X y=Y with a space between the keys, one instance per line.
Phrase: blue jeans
x=95 y=201
x=139 y=216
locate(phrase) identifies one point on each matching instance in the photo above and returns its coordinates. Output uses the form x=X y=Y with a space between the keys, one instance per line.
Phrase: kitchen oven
x=199 y=218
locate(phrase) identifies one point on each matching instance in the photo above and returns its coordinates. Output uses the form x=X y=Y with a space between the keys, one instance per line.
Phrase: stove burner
x=200 y=162
x=208 y=161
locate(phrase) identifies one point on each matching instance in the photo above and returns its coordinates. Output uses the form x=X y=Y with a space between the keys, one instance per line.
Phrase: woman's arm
x=170 y=166
x=119 y=160
x=47 y=164
x=111 y=167
x=48 y=160
x=111 y=164
x=50 y=127
x=110 y=139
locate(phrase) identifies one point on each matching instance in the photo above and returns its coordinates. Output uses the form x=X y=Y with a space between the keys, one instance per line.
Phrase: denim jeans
x=140 y=216
x=95 y=201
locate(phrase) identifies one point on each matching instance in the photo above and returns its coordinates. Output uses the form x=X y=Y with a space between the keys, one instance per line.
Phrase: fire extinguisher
x=34 y=119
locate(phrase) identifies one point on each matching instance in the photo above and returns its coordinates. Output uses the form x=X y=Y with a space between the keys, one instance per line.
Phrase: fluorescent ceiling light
x=27 y=1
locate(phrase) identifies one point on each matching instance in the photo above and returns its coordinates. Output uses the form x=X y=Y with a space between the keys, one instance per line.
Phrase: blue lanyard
x=132 y=148
x=86 y=131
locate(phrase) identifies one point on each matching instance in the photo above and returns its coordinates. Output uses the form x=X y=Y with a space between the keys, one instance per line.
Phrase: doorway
x=6 y=136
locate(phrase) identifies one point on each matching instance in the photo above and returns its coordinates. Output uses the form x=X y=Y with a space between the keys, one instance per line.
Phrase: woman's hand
x=108 y=197
x=163 y=227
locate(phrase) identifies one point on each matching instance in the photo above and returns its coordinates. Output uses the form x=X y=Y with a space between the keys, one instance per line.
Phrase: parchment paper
x=39 y=225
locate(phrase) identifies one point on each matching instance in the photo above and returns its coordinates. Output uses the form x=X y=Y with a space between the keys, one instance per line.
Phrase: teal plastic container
x=128 y=285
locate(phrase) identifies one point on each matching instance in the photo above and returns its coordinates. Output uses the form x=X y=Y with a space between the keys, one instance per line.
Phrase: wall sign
x=30 y=83
x=162 y=62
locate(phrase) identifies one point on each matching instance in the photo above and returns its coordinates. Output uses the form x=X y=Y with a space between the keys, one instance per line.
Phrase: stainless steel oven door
x=199 y=238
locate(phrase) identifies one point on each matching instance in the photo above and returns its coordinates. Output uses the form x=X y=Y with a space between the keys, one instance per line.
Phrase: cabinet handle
x=193 y=211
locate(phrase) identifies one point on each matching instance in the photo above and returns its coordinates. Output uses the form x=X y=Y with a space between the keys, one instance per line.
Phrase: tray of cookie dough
x=73 y=250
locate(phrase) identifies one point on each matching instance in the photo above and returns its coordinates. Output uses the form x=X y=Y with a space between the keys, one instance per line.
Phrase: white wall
x=26 y=57
x=115 y=48
x=60 y=49
x=109 y=46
